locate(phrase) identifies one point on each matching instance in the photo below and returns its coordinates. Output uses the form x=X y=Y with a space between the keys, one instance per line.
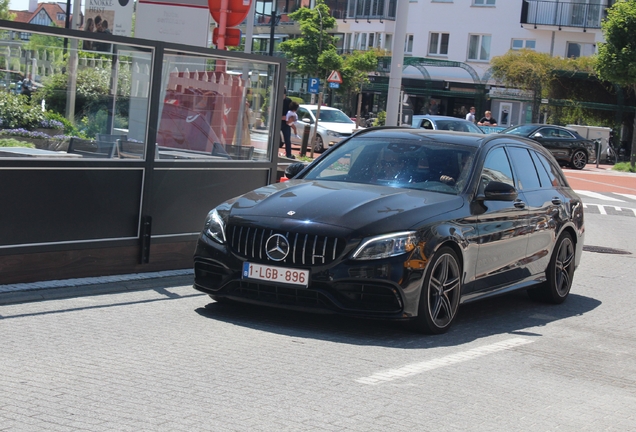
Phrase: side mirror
x=537 y=135
x=306 y=120
x=499 y=191
x=293 y=169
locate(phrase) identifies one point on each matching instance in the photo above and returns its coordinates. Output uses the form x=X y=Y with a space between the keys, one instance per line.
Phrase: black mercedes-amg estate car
x=399 y=223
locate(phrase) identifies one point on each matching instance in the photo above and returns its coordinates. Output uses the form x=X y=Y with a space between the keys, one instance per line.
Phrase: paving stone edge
x=59 y=289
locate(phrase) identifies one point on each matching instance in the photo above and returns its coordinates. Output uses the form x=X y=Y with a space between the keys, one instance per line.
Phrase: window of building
x=388 y=42
x=408 y=44
x=363 y=41
x=479 y=47
x=579 y=49
x=61 y=16
x=523 y=43
x=438 y=44
x=371 y=40
x=484 y=2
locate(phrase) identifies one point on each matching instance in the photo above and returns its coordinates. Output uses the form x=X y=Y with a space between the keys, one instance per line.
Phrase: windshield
x=404 y=163
x=523 y=130
x=332 y=116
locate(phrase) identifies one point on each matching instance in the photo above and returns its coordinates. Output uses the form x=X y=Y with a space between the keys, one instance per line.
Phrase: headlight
x=333 y=133
x=386 y=246
x=215 y=227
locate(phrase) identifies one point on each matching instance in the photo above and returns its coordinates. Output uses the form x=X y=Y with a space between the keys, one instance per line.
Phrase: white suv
x=333 y=126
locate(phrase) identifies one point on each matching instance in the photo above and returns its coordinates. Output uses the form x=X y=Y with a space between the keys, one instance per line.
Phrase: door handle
x=556 y=201
x=519 y=204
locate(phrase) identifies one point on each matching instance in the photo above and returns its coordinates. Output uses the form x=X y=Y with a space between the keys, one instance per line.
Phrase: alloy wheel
x=579 y=160
x=444 y=290
x=563 y=267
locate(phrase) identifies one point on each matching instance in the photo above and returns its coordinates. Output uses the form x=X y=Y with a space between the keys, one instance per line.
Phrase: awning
x=438 y=73
x=267 y=36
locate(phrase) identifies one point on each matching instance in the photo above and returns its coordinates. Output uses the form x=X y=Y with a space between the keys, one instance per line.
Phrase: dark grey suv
x=566 y=145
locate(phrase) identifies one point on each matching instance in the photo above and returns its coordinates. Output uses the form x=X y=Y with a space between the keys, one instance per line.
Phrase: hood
x=351 y=207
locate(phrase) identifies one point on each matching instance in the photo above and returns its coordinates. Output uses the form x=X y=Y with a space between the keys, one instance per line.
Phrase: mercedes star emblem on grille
x=291 y=213
x=277 y=247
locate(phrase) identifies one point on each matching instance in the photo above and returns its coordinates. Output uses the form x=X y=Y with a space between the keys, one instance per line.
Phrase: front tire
x=579 y=160
x=559 y=273
x=319 y=146
x=441 y=291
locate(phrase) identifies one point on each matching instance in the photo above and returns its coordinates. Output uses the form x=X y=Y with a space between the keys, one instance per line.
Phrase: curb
x=55 y=290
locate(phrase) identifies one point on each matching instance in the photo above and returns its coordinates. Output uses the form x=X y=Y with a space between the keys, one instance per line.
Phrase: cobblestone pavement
x=167 y=358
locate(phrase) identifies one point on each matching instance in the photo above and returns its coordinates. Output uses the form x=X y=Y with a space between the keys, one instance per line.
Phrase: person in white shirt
x=471 y=115
x=292 y=117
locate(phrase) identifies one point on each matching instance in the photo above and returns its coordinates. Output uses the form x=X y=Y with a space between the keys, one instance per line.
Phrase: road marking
x=597 y=196
x=630 y=196
x=601 y=209
x=418 y=368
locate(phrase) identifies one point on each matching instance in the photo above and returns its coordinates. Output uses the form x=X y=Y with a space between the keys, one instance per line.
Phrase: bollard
x=303 y=145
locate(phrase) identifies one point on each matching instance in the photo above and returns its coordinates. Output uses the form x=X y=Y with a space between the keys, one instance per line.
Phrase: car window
x=523 y=130
x=554 y=174
x=527 y=177
x=403 y=163
x=564 y=134
x=496 y=168
x=457 y=126
x=426 y=124
x=303 y=113
x=548 y=132
x=544 y=178
x=333 y=116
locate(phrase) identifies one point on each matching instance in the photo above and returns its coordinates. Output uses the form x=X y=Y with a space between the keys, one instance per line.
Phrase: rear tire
x=559 y=273
x=441 y=291
x=579 y=160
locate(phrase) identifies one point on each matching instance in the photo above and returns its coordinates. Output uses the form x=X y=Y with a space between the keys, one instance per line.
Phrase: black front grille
x=369 y=297
x=345 y=298
x=209 y=275
x=304 y=249
x=284 y=296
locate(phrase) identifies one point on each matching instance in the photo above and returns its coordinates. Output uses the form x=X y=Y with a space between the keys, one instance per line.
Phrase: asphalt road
x=166 y=358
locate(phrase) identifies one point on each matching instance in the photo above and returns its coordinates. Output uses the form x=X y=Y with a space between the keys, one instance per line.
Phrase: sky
x=24 y=4
x=19 y=4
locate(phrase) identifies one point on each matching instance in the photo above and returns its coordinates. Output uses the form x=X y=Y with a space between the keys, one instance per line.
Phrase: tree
x=4 y=11
x=315 y=53
x=537 y=73
x=616 y=58
x=525 y=69
x=355 y=73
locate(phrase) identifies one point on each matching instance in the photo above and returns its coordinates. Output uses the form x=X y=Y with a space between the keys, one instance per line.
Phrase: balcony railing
x=562 y=14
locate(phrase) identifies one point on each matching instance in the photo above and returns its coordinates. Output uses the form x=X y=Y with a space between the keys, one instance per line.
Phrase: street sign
x=335 y=77
x=237 y=10
x=334 y=85
x=313 y=84
x=232 y=36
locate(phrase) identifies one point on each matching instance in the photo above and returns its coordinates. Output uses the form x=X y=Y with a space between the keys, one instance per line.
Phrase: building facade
x=449 y=45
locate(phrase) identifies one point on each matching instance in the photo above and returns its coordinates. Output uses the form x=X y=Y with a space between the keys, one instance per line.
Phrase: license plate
x=276 y=274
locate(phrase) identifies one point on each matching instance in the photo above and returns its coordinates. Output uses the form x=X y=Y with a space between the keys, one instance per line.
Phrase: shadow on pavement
x=513 y=313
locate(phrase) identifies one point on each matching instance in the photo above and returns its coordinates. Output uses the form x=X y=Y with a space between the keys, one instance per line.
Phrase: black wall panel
x=181 y=198
x=54 y=205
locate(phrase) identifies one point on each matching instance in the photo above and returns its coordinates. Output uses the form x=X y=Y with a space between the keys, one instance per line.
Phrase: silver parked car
x=438 y=122
x=333 y=125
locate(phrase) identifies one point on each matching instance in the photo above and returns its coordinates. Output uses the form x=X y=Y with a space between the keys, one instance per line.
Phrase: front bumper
x=344 y=287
